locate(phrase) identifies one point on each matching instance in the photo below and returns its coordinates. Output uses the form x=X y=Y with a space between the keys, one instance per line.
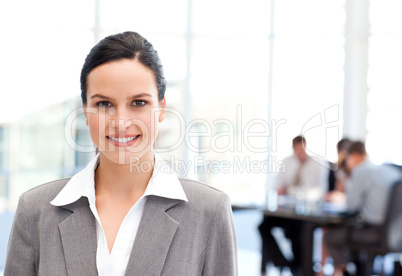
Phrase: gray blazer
x=174 y=237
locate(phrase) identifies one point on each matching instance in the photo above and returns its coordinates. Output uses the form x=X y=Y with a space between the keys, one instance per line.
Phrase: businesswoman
x=125 y=213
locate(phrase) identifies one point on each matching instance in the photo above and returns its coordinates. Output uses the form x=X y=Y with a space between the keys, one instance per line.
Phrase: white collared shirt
x=313 y=177
x=163 y=183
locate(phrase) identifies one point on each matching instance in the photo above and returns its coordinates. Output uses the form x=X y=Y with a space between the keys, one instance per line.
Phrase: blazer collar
x=78 y=237
x=151 y=246
x=154 y=237
x=164 y=182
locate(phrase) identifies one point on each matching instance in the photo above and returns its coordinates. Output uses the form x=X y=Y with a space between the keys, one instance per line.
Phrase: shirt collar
x=164 y=183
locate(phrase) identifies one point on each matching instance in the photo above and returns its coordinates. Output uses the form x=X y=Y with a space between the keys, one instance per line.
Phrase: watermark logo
x=223 y=136
x=201 y=165
x=324 y=130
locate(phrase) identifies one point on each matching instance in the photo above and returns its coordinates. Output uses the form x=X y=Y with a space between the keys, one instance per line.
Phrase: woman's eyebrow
x=141 y=95
x=101 y=96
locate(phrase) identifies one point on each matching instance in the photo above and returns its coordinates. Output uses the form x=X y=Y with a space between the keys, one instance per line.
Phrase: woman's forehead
x=122 y=77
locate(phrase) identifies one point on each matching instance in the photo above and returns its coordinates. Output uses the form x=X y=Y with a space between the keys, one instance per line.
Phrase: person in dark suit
x=126 y=213
x=336 y=191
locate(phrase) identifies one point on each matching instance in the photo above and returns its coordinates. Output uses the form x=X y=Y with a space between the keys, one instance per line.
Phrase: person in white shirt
x=125 y=213
x=305 y=178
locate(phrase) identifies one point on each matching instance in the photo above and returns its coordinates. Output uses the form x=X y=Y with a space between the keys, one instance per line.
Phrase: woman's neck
x=123 y=180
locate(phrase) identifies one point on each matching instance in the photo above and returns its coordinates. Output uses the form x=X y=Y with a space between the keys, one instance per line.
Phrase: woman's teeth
x=122 y=140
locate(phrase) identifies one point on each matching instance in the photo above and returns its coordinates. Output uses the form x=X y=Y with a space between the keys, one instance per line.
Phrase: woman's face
x=123 y=110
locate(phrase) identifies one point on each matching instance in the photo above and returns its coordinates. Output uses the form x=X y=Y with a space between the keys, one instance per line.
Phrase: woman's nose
x=121 y=120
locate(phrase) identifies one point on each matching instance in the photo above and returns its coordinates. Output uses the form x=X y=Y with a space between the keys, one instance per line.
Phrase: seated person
x=305 y=177
x=337 y=194
x=367 y=193
x=341 y=173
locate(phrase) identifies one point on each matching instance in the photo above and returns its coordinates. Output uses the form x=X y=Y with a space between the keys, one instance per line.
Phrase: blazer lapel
x=154 y=236
x=78 y=236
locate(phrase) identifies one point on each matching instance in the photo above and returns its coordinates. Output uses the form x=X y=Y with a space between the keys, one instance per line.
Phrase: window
x=385 y=89
x=244 y=77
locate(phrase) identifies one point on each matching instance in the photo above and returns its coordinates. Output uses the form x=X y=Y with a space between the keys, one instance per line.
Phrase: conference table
x=311 y=215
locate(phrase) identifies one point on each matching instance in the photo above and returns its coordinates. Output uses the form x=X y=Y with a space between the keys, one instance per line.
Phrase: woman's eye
x=139 y=103
x=103 y=104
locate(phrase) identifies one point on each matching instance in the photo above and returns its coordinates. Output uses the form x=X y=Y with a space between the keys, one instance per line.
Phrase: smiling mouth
x=123 y=141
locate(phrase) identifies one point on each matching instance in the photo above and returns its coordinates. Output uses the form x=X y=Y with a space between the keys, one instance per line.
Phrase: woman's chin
x=125 y=157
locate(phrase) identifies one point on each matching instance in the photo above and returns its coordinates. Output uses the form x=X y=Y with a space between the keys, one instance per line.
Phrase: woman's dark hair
x=127 y=45
x=343 y=144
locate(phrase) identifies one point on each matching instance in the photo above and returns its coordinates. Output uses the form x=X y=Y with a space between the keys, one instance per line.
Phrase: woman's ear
x=85 y=113
x=162 y=105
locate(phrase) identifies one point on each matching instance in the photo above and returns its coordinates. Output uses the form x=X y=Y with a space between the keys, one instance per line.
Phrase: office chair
x=388 y=239
x=396 y=166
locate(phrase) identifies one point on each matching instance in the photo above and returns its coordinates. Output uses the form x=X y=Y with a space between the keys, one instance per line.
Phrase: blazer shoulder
x=44 y=193
x=197 y=191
